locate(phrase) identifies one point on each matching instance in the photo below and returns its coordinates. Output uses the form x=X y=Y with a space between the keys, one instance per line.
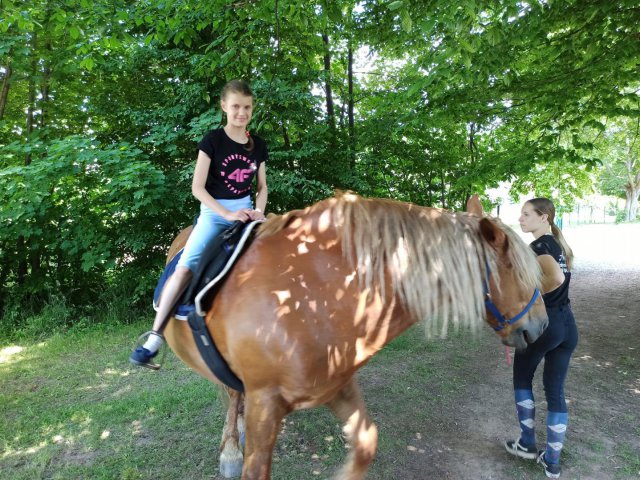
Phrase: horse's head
x=514 y=304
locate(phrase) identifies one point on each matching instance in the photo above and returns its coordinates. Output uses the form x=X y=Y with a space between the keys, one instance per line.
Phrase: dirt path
x=464 y=440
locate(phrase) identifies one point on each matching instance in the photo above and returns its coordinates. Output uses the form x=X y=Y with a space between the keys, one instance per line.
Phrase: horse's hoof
x=231 y=468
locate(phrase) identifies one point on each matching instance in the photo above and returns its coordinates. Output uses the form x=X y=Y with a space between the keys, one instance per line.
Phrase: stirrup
x=162 y=351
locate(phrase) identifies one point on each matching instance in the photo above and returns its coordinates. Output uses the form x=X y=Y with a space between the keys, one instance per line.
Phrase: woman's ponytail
x=568 y=253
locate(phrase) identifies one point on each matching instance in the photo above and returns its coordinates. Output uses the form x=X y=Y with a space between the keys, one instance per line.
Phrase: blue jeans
x=555 y=345
x=208 y=226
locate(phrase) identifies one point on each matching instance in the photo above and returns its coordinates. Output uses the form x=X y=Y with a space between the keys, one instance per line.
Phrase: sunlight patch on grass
x=7 y=352
x=29 y=450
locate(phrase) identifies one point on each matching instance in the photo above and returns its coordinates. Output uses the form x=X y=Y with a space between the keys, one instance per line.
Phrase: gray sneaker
x=551 y=470
x=514 y=447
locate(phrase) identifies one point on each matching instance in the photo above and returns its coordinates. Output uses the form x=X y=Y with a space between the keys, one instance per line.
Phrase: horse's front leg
x=362 y=434
x=230 y=447
x=264 y=412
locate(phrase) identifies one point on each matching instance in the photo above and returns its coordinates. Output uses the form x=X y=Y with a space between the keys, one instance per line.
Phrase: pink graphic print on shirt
x=237 y=171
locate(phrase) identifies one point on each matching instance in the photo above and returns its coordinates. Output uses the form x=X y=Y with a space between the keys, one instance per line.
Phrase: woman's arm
x=552 y=276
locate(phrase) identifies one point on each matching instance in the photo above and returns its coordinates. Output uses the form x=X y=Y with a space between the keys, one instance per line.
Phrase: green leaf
x=87 y=63
x=227 y=56
x=405 y=20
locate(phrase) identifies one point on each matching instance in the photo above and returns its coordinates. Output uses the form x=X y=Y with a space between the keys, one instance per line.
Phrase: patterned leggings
x=555 y=345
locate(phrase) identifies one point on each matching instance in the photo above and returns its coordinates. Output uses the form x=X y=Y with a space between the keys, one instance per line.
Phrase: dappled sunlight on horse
x=321 y=290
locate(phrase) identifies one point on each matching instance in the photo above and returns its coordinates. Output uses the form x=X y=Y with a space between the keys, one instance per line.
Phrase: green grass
x=73 y=408
x=628 y=459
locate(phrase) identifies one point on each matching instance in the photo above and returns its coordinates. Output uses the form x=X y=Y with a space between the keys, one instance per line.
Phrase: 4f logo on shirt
x=240 y=175
x=238 y=171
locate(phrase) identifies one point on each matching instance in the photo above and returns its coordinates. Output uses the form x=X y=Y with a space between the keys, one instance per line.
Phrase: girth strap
x=210 y=353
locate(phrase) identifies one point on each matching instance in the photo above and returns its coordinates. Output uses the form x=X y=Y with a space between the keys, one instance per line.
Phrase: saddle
x=216 y=260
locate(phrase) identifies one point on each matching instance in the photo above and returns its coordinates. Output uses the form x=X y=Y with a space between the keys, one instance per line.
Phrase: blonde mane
x=436 y=260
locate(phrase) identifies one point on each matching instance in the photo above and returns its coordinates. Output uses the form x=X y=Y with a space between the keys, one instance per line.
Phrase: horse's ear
x=494 y=235
x=474 y=206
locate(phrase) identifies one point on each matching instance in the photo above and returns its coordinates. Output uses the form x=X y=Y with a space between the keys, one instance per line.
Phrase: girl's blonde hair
x=544 y=206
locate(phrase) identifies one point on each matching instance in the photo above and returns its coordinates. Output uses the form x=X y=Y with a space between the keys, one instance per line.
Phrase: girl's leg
x=524 y=367
x=208 y=226
x=526 y=410
x=174 y=288
x=555 y=372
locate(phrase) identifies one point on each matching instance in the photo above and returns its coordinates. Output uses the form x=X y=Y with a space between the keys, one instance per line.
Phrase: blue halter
x=502 y=321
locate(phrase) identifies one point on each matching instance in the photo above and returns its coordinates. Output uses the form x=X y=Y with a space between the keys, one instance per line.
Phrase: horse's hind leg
x=230 y=449
x=362 y=434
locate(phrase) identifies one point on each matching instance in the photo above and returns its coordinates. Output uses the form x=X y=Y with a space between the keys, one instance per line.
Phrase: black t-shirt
x=548 y=245
x=232 y=166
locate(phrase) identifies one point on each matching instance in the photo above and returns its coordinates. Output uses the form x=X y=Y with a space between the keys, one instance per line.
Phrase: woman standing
x=555 y=345
x=228 y=160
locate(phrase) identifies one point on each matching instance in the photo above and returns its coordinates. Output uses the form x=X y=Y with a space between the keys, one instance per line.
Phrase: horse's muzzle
x=524 y=336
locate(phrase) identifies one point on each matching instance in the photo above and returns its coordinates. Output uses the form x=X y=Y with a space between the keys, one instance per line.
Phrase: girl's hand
x=243 y=215
x=256 y=215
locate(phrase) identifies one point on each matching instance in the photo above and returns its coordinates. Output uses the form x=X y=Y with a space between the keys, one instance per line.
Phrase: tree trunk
x=350 y=108
x=631 y=189
x=285 y=138
x=287 y=147
x=331 y=116
x=46 y=80
x=32 y=95
x=473 y=149
x=4 y=93
x=631 y=204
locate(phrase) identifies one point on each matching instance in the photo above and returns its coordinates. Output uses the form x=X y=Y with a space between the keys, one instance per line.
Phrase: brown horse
x=321 y=290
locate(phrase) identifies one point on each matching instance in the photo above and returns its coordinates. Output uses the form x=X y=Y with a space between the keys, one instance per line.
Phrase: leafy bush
x=80 y=214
